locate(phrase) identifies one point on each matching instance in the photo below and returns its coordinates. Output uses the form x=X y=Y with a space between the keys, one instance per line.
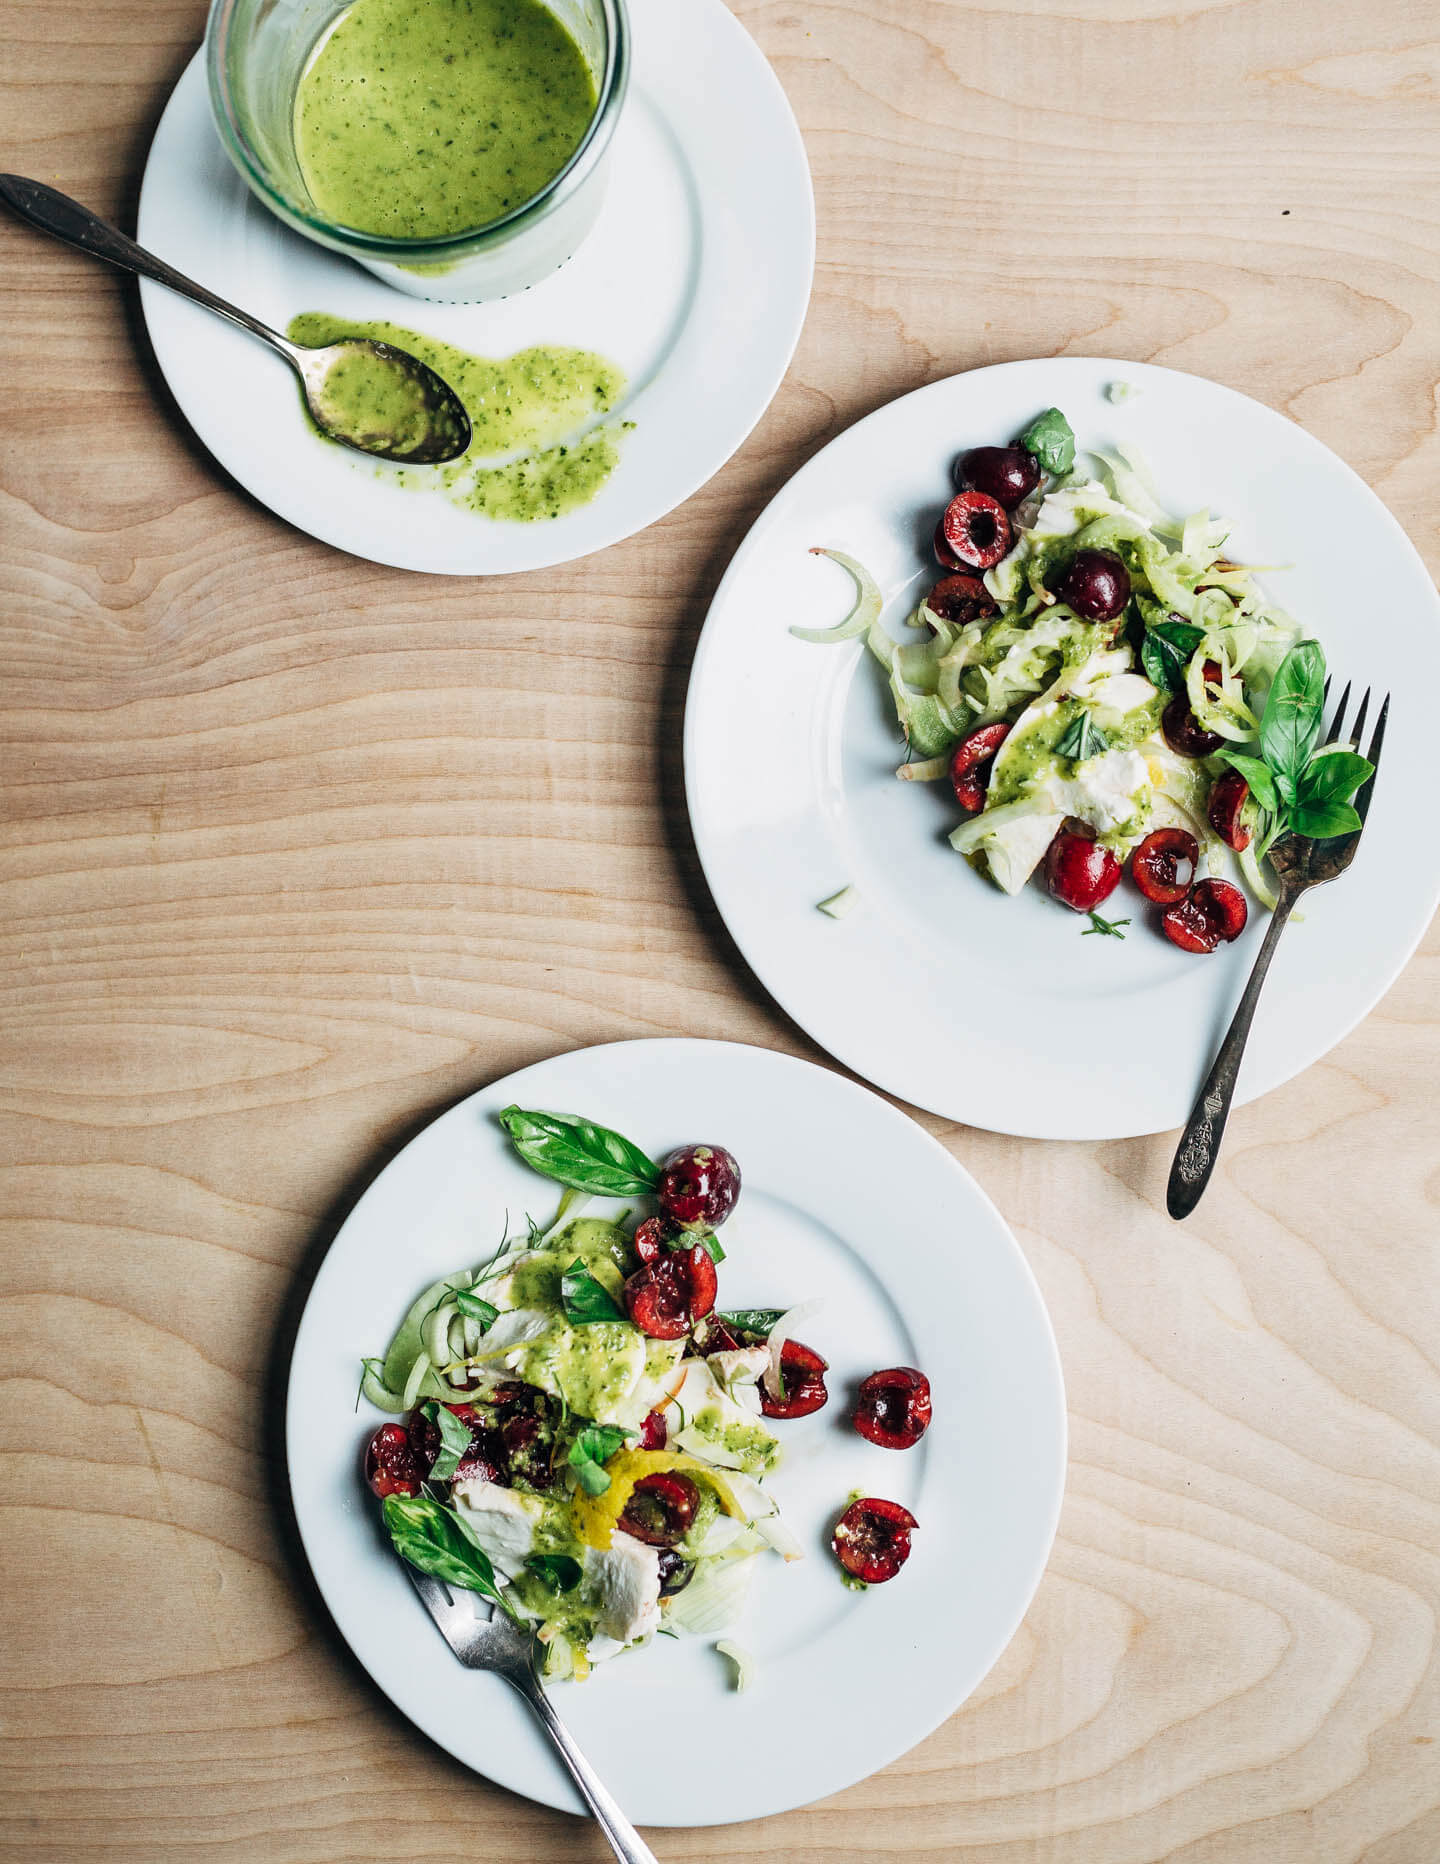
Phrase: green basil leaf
x=593 y=1446
x=751 y=1319
x=1333 y=777
x=557 y=1572
x=430 y=1537
x=454 y=1440
x=1258 y=775
x=1291 y=722
x=584 y=1299
x=580 y=1154
x=1051 y=439
x=473 y=1308
x=1081 y=739
x=711 y=1245
x=1167 y=650
x=1321 y=821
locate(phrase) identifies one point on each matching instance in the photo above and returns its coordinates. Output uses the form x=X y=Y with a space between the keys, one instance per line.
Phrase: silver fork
x=1300 y=864
x=500 y=1645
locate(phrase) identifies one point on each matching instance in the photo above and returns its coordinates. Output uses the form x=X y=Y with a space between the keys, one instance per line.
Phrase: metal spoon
x=435 y=426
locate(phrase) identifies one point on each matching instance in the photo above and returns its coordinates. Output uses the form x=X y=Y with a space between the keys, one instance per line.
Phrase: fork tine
x=1357 y=730
x=1362 y=801
x=1337 y=725
x=1325 y=696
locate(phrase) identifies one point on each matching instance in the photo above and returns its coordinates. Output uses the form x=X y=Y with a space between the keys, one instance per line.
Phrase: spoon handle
x=56 y=214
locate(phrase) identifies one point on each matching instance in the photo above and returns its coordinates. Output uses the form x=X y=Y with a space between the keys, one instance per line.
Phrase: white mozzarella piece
x=624 y=1581
x=502 y=1521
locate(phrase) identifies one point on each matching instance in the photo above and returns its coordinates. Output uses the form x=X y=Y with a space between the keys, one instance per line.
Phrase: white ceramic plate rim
x=1000 y=1432
x=692 y=65
x=1326 y=978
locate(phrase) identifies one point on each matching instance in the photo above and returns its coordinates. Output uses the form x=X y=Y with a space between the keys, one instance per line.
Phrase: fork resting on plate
x=500 y=1645
x=1300 y=864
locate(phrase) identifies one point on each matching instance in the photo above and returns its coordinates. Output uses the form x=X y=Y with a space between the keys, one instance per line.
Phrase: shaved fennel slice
x=775 y=1341
x=864 y=614
x=714 y=1598
x=741 y=1658
x=838 y=904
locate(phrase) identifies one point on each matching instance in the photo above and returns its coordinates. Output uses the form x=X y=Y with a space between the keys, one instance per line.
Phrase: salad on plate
x=1105 y=688
x=587 y=1437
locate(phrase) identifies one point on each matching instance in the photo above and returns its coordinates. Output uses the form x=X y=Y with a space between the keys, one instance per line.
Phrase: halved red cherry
x=961 y=599
x=973 y=532
x=802 y=1373
x=1078 y=871
x=666 y=1297
x=698 y=1187
x=970 y=763
x=652 y=1237
x=1007 y=474
x=660 y=1509
x=1211 y=914
x=390 y=1464
x=1183 y=731
x=1163 y=866
x=1227 y=804
x=1096 y=585
x=893 y=1408
x=872 y=1539
x=654 y=1431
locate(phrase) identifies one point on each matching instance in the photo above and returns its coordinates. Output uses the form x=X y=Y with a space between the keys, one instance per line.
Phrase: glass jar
x=256 y=54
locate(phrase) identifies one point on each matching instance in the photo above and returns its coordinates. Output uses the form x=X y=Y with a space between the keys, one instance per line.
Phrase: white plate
x=938 y=987
x=843 y=1197
x=695 y=280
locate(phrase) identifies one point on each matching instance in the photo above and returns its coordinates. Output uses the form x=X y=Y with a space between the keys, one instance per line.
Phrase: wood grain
x=295 y=850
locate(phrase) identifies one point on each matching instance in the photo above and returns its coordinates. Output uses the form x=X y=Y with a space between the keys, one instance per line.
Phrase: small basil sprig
x=586 y=1300
x=592 y=1448
x=557 y=1572
x=1051 y=439
x=752 y=1319
x=1166 y=651
x=455 y=1439
x=1303 y=787
x=433 y=1538
x=1082 y=738
x=580 y=1154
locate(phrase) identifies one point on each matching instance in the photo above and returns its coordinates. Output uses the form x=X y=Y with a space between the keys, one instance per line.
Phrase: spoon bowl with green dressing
x=368 y=395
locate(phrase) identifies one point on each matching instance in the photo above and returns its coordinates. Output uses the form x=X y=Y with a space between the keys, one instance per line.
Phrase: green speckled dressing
x=533 y=414
x=422 y=118
x=594 y=1366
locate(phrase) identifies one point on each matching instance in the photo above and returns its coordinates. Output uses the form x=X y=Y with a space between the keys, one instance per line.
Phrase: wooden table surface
x=297 y=850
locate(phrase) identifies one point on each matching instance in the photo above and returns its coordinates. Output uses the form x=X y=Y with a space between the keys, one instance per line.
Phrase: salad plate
x=704 y=248
x=844 y=1203
x=1000 y=1008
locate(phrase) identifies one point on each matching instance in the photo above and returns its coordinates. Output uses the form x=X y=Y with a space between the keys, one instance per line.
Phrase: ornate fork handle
x=1200 y=1143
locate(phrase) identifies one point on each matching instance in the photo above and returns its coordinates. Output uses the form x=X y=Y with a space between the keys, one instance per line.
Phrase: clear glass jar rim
x=381 y=245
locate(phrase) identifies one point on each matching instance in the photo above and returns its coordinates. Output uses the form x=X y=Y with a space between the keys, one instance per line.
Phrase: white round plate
x=695 y=280
x=844 y=1199
x=938 y=987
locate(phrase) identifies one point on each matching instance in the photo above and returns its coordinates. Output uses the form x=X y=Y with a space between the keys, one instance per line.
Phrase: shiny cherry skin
x=675 y=1572
x=1078 y=871
x=1007 y=474
x=893 y=1407
x=1226 y=809
x=961 y=599
x=698 y=1187
x=970 y=763
x=660 y=1509
x=654 y=1431
x=1212 y=913
x=1096 y=585
x=391 y=1467
x=665 y=1298
x=1183 y=731
x=973 y=533
x=802 y=1372
x=872 y=1539
x=652 y=1238
x=1164 y=864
